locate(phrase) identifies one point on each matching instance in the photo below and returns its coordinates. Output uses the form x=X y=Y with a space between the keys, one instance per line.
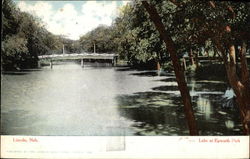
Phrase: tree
x=154 y=16
x=14 y=51
x=235 y=31
x=101 y=37
x=138 y=43
x=226 y=25
x=28 y=34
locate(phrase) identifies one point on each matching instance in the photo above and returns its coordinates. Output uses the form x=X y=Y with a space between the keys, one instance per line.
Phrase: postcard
x=125 y=79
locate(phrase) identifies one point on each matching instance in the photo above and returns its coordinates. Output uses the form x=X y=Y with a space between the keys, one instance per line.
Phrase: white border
x=124 y=147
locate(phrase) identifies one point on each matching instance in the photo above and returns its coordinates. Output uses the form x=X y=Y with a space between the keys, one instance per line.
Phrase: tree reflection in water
x=160 y=111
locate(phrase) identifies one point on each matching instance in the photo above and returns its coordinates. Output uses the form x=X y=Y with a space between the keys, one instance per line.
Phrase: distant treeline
x=195 y=27
x=24 y=37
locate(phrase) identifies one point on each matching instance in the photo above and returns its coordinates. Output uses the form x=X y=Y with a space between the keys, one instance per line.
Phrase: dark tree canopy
x=24 y=38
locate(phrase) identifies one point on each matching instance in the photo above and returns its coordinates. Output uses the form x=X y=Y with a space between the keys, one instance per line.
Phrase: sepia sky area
x=72 y=18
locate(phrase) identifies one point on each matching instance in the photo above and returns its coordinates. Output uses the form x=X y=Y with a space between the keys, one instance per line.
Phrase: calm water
x=70 y=100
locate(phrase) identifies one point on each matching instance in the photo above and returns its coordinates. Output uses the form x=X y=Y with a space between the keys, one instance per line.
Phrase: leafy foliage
x=24 y=38
x=191 y=24
x=102 y=37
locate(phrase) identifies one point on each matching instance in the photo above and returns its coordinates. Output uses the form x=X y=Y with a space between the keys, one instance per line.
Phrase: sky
x=72 y=18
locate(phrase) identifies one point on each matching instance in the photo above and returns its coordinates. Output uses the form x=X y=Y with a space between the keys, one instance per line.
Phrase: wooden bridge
x=112 y=58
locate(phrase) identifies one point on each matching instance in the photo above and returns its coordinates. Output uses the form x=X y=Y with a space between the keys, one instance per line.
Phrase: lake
x=71 y=100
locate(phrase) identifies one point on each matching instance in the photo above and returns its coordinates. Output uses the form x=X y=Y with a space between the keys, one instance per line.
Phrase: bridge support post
x=38 y=64
x=114 y=61
x=51 y=64
x=82 y=64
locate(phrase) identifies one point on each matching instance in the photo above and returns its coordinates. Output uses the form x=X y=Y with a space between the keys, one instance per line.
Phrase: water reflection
x=153 y=113
x=204 y=107
x=166 y=117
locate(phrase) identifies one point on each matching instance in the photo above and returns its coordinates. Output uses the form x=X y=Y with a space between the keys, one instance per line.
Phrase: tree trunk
x=158 y=66
x=180 y=78
x=207 y=54
x=196 y=60
x=190 y=54
x=184 y=64
x=240 y=85
x=241 y=90
x=245 y=78
x=158 y=61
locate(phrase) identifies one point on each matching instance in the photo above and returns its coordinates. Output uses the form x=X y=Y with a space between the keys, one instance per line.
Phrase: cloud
x=70 y=21
x=38 y=9
x=99 y=9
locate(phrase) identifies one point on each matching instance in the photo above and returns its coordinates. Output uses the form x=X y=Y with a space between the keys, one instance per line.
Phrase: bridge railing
x=77 y=54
